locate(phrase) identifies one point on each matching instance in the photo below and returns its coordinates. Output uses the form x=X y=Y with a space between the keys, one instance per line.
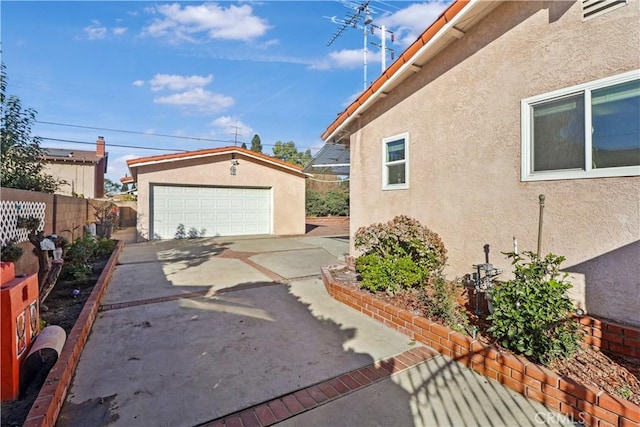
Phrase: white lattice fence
x=11 y=211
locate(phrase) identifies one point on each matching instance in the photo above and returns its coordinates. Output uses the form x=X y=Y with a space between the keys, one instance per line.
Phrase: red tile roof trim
x=406 y=57
x=210 y=152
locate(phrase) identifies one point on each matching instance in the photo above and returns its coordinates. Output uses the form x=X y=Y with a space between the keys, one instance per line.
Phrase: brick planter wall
x=593 y=407
x=45 y=409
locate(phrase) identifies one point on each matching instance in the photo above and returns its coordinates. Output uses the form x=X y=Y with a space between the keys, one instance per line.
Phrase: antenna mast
x=352 y=21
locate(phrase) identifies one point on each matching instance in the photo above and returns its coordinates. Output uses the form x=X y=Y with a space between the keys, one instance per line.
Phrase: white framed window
x=395 y=162
x=590 y=130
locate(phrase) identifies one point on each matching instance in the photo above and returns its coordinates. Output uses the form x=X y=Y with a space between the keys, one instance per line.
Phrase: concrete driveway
x=240 y=331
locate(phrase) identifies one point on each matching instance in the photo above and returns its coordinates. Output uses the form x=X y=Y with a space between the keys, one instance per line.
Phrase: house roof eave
x=460 y=14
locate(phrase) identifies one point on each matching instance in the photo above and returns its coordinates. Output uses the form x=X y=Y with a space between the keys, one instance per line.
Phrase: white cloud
x=118 y=31
x=209 y=20
x=95 y=31
x=203 y=100
x=138 y=83
x=228 y=126
x=410 y=22
x=118 y=167
x=267 y=44
x=176 y=82
x=346 y=59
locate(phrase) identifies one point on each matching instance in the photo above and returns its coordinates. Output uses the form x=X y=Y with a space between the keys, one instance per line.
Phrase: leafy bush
x=403 y=237
x=77 y=256
x=398 y=255
x=11 y=252
x=77 y=272
x=386 y=274
x=333 y=202
x=314 y=203
x=105 y=247
x=337 y=203
x=532 y=313
x=81 y=250
x=440 y=302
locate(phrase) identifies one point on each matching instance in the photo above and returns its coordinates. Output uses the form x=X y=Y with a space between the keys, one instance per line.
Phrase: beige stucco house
x=81 y=170
x=495 y=104
x=226 y=191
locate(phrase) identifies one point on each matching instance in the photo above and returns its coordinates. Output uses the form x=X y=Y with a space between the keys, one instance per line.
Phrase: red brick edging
x=46 y=408
x=583 y=403
x=283 y=407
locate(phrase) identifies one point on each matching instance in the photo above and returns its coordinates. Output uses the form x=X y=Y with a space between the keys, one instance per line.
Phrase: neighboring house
x=495 y=104
x=226 y=191
x=130 y=185
x=83 y=171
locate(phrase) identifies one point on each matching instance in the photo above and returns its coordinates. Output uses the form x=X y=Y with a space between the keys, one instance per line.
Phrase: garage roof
x=133 y=164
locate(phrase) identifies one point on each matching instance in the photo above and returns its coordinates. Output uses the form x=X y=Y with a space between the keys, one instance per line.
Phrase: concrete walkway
x=240 y=331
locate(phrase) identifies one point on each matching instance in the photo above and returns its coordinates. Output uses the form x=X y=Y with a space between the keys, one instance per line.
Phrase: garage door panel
x=219 y=211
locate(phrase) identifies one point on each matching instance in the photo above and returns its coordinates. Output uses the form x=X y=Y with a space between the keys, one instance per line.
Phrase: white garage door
x=210 y=211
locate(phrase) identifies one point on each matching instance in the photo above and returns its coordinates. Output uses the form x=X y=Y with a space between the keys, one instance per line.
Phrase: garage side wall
x=287 y=189
x=461 y=112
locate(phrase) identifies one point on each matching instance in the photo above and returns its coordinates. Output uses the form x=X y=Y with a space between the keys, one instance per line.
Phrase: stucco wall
x=462 y=113
x=287 y=188
x=80 y=178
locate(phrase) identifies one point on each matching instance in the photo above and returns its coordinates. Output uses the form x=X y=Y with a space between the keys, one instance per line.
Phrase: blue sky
x=213 y=72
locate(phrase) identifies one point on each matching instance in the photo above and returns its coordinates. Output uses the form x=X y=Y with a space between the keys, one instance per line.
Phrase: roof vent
x=593 y=8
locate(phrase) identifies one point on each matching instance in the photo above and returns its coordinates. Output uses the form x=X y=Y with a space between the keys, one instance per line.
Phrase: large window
x=395 y=166
x=586 y=131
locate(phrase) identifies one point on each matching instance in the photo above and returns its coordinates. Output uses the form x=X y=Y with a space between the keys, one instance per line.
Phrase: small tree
x=111 y=187
x=23 y=162
x=288 y=152
x=256 y=144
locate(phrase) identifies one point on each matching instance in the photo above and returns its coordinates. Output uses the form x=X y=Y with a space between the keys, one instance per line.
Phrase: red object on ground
x=20 y=323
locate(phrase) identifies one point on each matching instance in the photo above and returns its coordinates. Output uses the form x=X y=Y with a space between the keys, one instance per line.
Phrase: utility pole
x=235 y=137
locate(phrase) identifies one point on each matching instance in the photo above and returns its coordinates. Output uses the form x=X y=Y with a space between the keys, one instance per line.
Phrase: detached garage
x=218 y=192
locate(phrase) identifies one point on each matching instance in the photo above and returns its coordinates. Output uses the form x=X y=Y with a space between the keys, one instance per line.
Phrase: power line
x=146 y=134
x=111 y=145
x=133 y=132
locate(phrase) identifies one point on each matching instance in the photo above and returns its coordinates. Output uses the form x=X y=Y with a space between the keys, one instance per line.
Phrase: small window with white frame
x=586 y=131
x=395 y=162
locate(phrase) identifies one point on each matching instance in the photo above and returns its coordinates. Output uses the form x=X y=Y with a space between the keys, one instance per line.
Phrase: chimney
x=100 y=147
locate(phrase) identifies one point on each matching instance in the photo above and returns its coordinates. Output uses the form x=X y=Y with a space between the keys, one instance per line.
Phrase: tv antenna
x=360 y=12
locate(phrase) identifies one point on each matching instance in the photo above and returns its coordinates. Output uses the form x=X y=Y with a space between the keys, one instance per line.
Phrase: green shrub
x=314 y=203
x=105 y=247
x=76 y=272
x=532 y=313
x=440 y=302
x=389 y=275
x=81 y=250
x=76 y=258
x=333 y=202
x=337 y=203
x=11 y=252
x=403 y=237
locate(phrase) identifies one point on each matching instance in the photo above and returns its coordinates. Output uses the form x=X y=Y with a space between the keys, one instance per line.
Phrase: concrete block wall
x=64 y=215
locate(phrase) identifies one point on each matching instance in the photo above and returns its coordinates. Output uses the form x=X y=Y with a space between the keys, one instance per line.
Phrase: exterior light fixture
x=234 y=167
